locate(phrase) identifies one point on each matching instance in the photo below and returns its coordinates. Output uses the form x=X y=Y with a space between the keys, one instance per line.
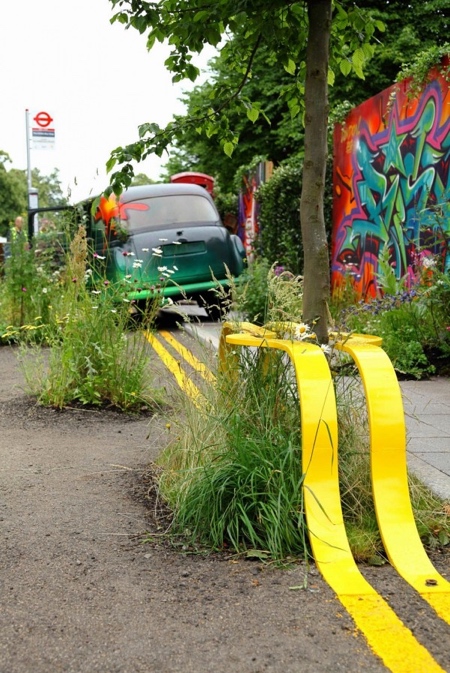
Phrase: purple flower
x=278 y=270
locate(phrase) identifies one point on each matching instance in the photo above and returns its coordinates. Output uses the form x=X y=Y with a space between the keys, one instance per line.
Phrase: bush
x=280 y=239
x=414 y=324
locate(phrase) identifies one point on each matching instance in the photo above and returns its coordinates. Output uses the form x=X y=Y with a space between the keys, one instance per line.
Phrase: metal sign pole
x=27 y=126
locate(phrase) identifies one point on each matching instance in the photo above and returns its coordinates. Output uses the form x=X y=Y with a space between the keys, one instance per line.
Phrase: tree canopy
x=252 y=37
x=295 y=34
x=410 y=28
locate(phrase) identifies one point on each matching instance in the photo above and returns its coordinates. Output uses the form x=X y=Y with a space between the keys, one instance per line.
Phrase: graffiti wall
x=248 y=226
x=391 y=183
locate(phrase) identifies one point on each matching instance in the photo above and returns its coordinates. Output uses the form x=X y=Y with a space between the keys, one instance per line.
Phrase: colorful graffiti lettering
x=392 y=184
x=248 y=226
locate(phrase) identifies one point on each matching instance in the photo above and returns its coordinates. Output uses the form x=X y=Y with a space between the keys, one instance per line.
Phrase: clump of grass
x=234 y=477
x=31 y=285
x=269 y=293
x=92 y=359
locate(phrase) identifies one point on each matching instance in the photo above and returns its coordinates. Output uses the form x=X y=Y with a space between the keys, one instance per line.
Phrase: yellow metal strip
x=386 y=634
x=175 y=368
x=389 y=474
x=188 y=356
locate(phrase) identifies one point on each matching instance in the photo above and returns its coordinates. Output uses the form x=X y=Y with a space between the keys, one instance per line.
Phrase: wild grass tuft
x=234 y=478
x=93 y=358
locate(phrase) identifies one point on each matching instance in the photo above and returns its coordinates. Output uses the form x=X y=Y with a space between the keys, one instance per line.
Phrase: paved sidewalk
x=427 y=410
x=427 y=415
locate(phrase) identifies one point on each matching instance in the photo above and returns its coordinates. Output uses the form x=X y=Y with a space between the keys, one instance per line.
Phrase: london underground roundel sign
x=43 y=119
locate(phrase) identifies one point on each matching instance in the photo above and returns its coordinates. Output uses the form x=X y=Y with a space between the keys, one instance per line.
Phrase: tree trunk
x=316 y=256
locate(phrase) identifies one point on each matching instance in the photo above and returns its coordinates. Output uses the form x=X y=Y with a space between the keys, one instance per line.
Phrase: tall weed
x=93 y=359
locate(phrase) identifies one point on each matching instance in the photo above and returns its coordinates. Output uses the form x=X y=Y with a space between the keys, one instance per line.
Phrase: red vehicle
x=193 y=178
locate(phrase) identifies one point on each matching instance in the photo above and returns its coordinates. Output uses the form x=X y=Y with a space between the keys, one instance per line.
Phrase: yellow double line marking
x=174 y=366
x=386 y=634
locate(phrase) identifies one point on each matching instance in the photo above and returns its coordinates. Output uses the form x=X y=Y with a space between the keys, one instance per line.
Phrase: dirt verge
x=80 y=591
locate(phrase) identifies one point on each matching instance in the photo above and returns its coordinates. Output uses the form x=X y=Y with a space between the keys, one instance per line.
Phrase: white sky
x=96 y=80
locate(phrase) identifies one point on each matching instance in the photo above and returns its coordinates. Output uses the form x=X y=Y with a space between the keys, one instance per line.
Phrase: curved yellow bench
x=389 y=472
x=373 y=616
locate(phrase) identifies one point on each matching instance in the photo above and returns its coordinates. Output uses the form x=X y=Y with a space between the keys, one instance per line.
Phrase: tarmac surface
x=427 y=419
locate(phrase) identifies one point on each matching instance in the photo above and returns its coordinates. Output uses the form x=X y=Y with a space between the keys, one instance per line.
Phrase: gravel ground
x=80 y=591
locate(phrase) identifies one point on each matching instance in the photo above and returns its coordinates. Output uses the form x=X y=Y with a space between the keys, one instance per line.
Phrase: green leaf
x=358 y=59
x=203 y=14
x=228 y=148
x=253 y=114
x=192 y=72
x=345 y=67
x=294 y=110
x=110 y=164
x=290 y=67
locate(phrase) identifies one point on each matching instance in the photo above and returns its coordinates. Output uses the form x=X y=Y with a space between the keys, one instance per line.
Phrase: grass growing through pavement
x=93 y=358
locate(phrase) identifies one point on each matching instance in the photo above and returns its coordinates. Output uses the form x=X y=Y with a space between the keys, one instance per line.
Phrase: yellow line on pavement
x=175 y=368
x=188 y=356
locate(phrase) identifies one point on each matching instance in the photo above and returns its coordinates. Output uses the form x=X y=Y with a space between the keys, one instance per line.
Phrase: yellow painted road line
x=393 y=508
x=188 y=356
x=175 y=368
x=386 y=634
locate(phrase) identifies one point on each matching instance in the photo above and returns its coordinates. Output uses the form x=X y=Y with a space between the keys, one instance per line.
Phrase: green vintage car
x=166 y=239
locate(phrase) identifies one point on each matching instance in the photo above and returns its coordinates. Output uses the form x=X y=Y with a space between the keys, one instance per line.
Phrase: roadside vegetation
x=232 y=474
x=73 y=330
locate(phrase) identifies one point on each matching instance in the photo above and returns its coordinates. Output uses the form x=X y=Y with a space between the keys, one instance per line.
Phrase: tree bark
x=316 y=255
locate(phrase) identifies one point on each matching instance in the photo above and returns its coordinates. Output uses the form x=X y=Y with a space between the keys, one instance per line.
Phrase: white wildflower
x=302 y=331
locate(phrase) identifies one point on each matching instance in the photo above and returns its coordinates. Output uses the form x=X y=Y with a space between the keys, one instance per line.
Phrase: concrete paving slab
x=429 y=425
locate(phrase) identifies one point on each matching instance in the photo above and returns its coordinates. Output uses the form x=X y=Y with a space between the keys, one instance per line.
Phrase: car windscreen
x=161 y=211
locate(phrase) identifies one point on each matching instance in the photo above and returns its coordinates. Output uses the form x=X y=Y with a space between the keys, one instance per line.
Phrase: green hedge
x=279 y=215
